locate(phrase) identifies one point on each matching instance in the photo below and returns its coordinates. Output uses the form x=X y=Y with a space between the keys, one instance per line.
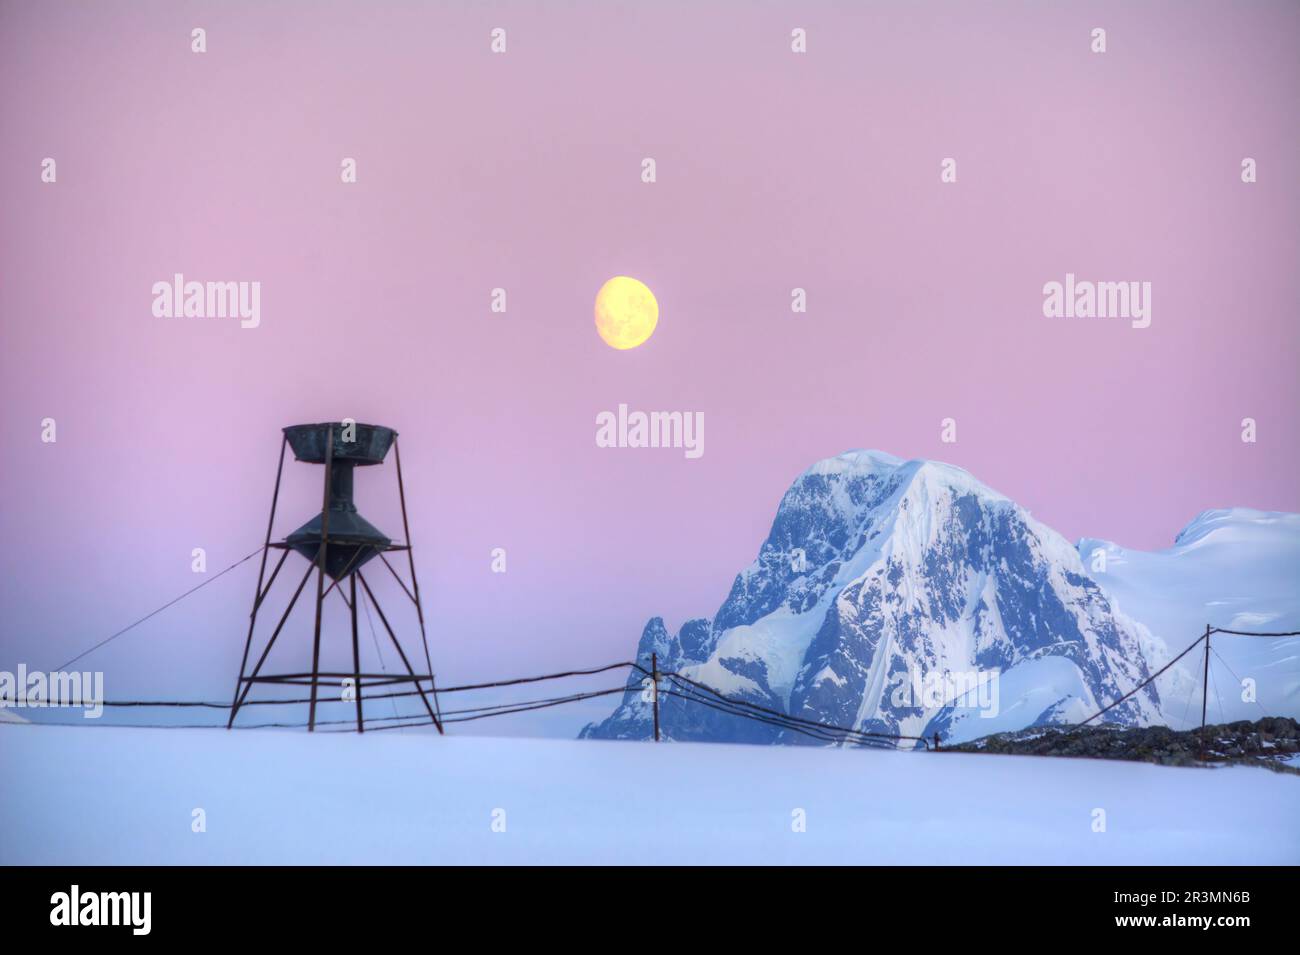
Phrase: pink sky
x=522 y=171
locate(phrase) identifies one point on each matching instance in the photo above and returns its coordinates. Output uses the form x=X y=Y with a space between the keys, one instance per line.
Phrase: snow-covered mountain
x=885 y=592
x=1234 y=568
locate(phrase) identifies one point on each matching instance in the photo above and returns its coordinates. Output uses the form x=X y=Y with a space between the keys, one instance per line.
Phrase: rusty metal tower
x=337 y=542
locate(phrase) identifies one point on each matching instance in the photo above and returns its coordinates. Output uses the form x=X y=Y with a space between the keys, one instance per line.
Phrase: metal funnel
x=353 y=540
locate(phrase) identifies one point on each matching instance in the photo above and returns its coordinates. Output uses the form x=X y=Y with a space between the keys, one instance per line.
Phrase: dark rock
x=1266 y=742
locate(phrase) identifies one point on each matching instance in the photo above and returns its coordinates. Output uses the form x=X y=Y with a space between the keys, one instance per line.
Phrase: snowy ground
x=100 y=794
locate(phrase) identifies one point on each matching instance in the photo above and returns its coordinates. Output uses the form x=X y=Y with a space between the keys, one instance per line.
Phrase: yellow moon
x=626 y=312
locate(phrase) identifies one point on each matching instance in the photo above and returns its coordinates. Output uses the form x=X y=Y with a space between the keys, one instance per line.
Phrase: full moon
x=626 y=312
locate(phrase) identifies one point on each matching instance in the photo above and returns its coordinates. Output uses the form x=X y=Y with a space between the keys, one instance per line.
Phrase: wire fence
x=670 y=684
x=684 y=689
x=1203 y=638
x=654 y=683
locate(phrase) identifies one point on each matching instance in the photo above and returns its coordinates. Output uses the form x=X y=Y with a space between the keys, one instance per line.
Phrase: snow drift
x=120 y=796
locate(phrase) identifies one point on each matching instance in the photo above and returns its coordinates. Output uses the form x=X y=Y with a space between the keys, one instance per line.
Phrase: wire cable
x=786 y=716
x=132 y=626
x=685 y=688
x=389 y=722
x=785 y=720
x=1237 y=678
x=826 y=737
x=383 y=696
x=1149 y=679
x=374 y=636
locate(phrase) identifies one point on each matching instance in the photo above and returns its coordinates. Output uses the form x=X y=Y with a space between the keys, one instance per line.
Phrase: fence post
x=654 y=692
x=1205 y=689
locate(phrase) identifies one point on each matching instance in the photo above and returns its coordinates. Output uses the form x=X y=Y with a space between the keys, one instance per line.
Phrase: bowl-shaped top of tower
x=369 y=444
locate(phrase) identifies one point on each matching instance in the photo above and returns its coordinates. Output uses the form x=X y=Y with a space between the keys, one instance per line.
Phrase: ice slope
x=116 y=795
x=1234 y=568
x=878 y=573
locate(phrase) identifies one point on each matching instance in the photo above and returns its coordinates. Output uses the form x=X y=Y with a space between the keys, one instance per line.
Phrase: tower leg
x=356 y=655
x=415 y=583
x=257 y=603
x=257 y=594
x=320 y=574
x=248 y=682
x=400 y=652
